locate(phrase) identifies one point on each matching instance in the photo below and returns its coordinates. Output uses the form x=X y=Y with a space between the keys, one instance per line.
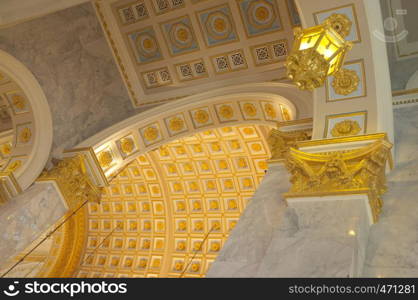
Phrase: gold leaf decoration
x=105 y=159
x=127 y=145
x=270 y=111
x=201 y=116
x=340 y=23
x=176 y=124
x=19 y=102
x=250 y=109
x=345 y=82
x=151 y=134
x=14 y=165
x=6 y=149
x=346 y=128
x=25 y=135
x=338 y=172
x=226 y=111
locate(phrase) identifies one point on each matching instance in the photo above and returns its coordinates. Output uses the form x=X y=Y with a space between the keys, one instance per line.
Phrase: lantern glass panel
x=309 y=40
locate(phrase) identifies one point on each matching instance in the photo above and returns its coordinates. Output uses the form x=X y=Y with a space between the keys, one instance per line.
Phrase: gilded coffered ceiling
x=170 y=211
x=168 y=49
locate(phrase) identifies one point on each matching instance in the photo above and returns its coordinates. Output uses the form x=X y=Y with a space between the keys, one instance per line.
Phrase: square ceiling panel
x=170 y=49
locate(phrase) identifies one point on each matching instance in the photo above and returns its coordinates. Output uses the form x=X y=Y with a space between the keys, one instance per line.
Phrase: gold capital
x=360 y=171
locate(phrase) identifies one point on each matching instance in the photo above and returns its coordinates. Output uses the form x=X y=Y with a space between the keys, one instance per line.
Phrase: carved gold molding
x=357 y=171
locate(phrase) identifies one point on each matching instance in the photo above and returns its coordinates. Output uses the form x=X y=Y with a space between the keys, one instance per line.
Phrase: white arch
x=42 y=129
x=297 y=102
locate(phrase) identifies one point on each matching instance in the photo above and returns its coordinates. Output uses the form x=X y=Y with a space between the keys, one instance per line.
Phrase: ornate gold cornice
x=358 y=171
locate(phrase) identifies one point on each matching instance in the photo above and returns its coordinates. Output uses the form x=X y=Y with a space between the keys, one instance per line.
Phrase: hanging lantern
x=317 y=52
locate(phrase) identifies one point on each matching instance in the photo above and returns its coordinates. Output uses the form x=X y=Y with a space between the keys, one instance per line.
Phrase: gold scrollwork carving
x=345 y=82
x=353 y=172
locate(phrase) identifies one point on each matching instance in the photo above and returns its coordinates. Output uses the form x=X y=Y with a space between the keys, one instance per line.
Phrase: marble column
x=327 y=239
x=248 y=242
x=26 y=217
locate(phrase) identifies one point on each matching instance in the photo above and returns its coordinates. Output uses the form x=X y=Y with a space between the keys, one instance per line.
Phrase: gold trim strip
x=357 y=138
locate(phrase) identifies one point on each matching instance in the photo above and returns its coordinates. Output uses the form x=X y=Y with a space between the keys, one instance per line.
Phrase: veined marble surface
x=304 y=239
x=24 y=218
x=393 y=242
x=69 y=56
x=249 y=240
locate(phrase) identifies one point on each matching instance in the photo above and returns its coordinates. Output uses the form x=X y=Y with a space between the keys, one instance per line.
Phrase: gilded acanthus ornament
x=357 y=171
x=75 y=184
x=345 y=82
x=307 y=68
x=346 y=128
x=340 y=23
x=280 y=142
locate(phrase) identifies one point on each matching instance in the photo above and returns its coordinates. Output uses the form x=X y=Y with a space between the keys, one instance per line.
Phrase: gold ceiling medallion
x=176 y=124
x=341 y=24
x=127 y=145
x=360 y=171
x=346 y=128
x=201 y=116
x=25 y=135
x=345 y=82
x=317 y=52
x=105 y=159
x=250 y=109
x=151 y=134
x=226 y=111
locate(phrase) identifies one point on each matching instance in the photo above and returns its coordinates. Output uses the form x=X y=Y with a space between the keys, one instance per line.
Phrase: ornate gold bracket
x=359 y=171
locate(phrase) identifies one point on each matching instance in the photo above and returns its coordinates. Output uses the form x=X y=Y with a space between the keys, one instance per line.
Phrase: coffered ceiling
x=167 y=49
x=170 y=211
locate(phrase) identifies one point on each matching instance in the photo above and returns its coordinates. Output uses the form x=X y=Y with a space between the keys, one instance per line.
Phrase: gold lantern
x=318 y=52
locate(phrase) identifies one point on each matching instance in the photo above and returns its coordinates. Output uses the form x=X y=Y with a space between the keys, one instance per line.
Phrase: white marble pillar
x=26 y=217
x=249 y=240
x=328 y=239
x=310 y=237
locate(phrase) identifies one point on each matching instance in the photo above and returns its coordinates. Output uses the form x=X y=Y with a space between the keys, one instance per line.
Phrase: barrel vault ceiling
x=168 y=49
x=169 y=213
